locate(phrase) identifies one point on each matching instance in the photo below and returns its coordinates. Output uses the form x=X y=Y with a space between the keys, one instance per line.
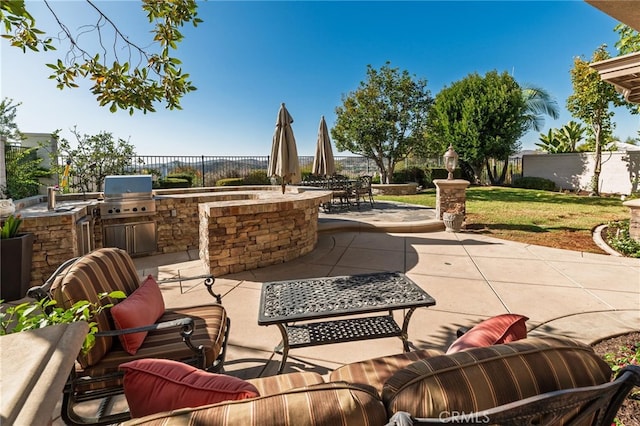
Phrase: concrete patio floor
x=579 y=295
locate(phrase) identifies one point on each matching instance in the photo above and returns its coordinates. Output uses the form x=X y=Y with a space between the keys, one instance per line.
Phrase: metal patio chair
x=363 y=190
x=196 y=335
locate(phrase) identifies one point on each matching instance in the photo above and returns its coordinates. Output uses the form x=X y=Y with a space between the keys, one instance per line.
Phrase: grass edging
x=600 y=242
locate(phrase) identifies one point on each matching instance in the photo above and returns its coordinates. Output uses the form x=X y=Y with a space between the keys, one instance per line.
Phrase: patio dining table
x=296 y=306
x=343 y=189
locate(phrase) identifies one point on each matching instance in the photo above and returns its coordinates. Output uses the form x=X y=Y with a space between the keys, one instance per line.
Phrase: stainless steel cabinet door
x=116 y=236
x=135 y=238
x=143 y=237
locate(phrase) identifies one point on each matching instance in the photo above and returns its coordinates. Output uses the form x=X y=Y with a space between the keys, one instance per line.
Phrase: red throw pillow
x=503 y=328
x=157 y=385
x=142 y=307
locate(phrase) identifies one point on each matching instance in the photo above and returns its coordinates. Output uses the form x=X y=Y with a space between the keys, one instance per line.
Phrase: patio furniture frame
x=575 y=406
x=83 y=386
x=363 y=190
x=285 y=303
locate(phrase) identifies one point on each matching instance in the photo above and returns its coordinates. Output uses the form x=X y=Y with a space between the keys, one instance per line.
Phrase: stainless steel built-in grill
x=127 y=196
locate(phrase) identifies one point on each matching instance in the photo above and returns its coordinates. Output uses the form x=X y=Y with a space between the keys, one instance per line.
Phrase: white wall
x=573 y=171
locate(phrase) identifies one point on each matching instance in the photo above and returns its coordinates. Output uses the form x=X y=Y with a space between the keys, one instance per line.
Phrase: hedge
x=532 y=182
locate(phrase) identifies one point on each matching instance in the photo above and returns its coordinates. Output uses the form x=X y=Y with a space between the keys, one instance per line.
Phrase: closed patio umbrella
x=323 y=163
x=283 y=161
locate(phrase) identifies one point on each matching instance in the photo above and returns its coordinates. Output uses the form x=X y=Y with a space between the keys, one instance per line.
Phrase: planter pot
x=15 y=255
x=453 y=221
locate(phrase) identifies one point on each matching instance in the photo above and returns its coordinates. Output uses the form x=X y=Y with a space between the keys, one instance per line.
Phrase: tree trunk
x=493 y=172
x=380 y=164
x=489 y=172
x=391 y=165
x=503 y=174
x=597 y=168
x=477 y=170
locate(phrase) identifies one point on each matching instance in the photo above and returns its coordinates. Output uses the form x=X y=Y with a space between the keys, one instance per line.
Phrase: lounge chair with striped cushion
x=196 y=335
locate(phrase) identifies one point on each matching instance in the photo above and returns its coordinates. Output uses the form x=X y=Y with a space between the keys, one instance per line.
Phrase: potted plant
x=453 y=218
x=16 y=250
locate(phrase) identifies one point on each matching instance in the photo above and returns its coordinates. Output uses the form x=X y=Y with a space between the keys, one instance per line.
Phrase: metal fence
x=207 y=170
x=13 y=152
x=514 y=170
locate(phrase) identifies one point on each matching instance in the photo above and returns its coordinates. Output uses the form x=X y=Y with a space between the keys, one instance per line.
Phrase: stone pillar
x=634 y=222
x=451 y=195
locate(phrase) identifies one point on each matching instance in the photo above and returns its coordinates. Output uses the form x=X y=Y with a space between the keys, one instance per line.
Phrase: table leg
x=283 y=347
x=405 y=328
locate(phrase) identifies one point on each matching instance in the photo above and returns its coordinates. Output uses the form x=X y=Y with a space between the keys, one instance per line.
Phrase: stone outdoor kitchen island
x=258 y=229
x=243 y=227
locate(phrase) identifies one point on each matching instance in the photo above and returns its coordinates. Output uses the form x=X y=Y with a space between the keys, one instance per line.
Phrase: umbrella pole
x=283 y=185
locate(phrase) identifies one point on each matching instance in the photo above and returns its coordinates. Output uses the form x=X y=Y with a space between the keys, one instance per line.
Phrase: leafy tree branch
x=156 y=76
x=629 y=41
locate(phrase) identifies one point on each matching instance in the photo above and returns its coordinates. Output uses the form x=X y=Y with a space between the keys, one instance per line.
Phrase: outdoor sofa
x=531 y=380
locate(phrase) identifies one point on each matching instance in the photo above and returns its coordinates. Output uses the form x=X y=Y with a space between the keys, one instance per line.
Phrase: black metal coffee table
x=284 y=303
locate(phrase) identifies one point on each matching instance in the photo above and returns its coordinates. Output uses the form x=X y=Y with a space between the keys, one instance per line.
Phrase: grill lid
x=127 y=186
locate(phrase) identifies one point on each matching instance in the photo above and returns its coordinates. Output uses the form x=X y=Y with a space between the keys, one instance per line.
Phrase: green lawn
x=538 y=217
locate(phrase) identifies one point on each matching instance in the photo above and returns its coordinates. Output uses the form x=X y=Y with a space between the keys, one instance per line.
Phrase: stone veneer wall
x=634 y=221
x=178 y=221
x=178 y=226
x=394 y=188
x=237 y=237
x=451 y=196
x=54 y=243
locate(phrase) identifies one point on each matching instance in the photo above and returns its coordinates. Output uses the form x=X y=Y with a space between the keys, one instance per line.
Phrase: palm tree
x=549 y=142
x=570 y=134
x=563 y=139
x=539 y=103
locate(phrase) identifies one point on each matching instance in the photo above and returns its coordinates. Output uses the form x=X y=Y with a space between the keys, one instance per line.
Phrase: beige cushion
x=482 y=378
x=272 y=385
x=209 y=333
x=376 y=371
x=327 y=404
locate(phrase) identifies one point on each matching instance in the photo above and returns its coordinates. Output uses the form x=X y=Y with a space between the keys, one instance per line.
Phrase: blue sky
x=248 y=57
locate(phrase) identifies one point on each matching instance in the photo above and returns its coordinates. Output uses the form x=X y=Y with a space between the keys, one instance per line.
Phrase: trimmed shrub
x=440 y=173
x=410 y=174
x=532 y=182
x=230 y=182
x=259 y=177
x=180 y=176
x=170 y=182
